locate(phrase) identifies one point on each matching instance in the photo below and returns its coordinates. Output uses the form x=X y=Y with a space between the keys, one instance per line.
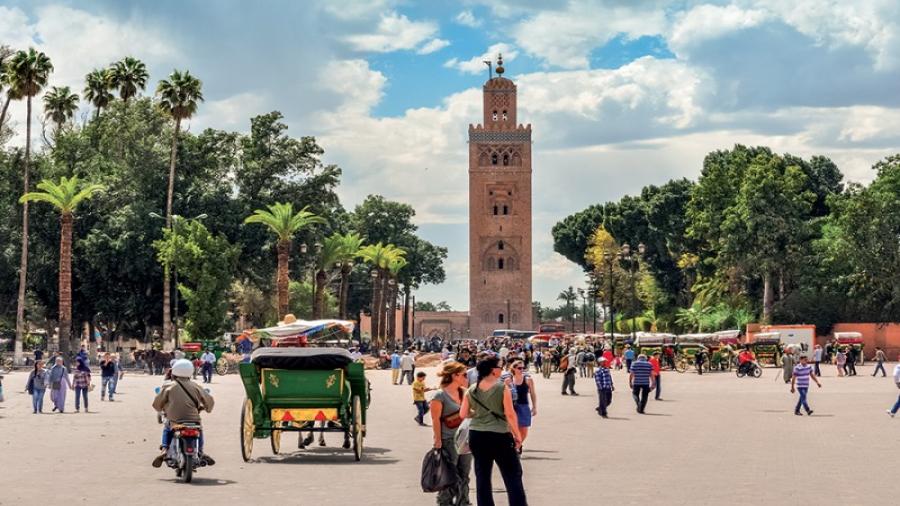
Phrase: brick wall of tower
x=499 y=212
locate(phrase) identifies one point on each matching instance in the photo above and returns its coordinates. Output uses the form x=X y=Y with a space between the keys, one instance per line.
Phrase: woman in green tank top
x=493 y=434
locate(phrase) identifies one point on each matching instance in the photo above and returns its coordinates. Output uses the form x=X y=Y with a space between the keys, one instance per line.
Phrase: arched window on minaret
x=505 y=116
x=505 y=159
x=500 y=264
x=496 y=210
x=494 y=159
x=505 y=210
x=500 y=245
x=500 y=318
x=494 y=115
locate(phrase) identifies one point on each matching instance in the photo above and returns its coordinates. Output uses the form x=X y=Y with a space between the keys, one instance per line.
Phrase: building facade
x=499 y=213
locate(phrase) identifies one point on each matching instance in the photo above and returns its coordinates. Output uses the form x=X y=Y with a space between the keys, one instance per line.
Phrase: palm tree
x=350 y=246
x=5 y=54
x=328 y=259
x=96 y=89
x=129 y=75
x=284 y=222
x=569 y=297
x=395 y=265
x=60 y=105
x=178 y=97
x=65 y=197
x=692 y=317
x=379 y=256
x=26 y=75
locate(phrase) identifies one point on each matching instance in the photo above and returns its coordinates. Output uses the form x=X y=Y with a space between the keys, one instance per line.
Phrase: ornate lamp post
x=583 y=310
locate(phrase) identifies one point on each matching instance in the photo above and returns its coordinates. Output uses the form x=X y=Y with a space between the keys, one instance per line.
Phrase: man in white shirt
x=407 y=365
x=893 y=411
x=209 y=360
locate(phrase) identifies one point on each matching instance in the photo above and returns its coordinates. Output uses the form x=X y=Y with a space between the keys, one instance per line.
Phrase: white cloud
x=232 y=113
x=467 y=18
x=433 y=45
x=475 y=65
x=705 y=22
x=358 y=87
x=394 y=32
x=555 y=267
x=565 y=38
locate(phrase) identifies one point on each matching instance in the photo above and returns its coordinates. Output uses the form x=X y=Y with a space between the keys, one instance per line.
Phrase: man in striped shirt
x=803 y=372
x=641 y=381
x=604 y=386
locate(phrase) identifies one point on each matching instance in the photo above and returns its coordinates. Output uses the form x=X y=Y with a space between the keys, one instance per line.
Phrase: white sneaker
x=891 y=413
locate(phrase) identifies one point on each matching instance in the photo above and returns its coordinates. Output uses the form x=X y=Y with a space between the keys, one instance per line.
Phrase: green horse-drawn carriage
x=768 y=348
x=225 y=360
x=291 y=389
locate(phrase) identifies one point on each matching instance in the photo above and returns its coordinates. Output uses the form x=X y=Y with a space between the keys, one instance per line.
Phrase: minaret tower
x=499 y=213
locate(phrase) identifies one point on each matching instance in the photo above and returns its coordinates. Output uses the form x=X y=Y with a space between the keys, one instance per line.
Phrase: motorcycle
x=749 y=369
x=184 y=451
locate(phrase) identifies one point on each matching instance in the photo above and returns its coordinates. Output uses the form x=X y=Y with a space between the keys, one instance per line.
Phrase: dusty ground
x=715 y=439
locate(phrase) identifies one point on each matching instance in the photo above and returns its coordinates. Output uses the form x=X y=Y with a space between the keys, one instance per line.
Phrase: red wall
x=885 y=335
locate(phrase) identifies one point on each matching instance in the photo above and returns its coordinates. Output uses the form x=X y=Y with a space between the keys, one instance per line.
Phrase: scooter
x=751 y=369
x=184 y=451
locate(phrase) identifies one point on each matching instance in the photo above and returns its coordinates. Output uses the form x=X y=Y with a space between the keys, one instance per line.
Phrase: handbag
x=452 y=421
x=438 y=471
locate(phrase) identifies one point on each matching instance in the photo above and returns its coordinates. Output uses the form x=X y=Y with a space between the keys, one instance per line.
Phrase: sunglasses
x=519 y=368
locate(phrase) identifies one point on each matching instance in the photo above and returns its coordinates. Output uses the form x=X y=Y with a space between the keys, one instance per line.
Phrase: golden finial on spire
x=500 y=68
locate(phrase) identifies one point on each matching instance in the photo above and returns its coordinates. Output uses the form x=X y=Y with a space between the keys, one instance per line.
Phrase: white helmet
x=183 y=368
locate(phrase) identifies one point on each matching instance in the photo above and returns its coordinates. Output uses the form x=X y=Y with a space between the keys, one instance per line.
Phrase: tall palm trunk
x=281 y=281
x=392 y=315
x=23 y=264
x=407 y=291
x=65 y=281
x=319 y=297
x=768 y=295
x=3 y=111
x=167 y=287
x=375 y=311
x=382 y=309
x=345 y=290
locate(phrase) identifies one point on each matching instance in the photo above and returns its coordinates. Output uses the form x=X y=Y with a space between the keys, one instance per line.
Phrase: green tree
x=350 y=244
x=328 y=259
x=178 y=97
x=570 y=300
x=60 y=105
x=204 y=263
x=5 y=54
x=129 y=75
x=65 y=196
x=281 y=220
x=26 y=75
x=98 y=84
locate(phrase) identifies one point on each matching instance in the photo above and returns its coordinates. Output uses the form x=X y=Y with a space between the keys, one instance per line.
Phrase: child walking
x=419 y=389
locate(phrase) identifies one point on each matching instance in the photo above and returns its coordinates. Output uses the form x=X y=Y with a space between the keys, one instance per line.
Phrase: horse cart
x=768 y=348
x=226 y=361
x=851 y=341
x=292 y=387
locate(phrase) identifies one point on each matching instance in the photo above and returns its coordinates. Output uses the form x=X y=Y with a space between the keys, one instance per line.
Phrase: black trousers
x=487 y=448
x=817 y=371
x=604 y=399
x=851 y=368
x=569 y=381
x=640 y=393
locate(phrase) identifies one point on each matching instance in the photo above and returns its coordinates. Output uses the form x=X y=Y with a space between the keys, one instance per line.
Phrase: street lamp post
x=612 y=292
x=633 y=262
x=583 y=311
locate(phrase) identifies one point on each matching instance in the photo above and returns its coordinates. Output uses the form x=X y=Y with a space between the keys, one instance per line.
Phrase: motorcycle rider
x=746 y=358
x=182 y=400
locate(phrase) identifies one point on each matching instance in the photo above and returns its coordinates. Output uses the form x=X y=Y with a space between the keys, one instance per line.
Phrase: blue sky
x=620 y=93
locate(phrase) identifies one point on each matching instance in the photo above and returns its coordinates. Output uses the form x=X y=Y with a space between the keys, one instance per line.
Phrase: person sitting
x=181 y=401
x=746 y=358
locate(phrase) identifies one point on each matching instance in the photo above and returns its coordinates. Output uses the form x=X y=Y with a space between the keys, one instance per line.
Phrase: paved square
x=714 y=439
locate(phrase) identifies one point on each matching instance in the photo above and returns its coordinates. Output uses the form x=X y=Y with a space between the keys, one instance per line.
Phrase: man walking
x=817 y=358
x=852 y=356
x=879 y=362
x=407 y=367
x=787 y=364
x=605 y=387
x=629 y=358
x=108 y=373
x=569 y=376
x=641 y=382
x=657 y=375
x=893 y=411
x=208 y=362
x=395 y=368
x=802 y=373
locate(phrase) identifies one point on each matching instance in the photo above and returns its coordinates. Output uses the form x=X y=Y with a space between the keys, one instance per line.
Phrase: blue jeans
x=37 y=399
x=879 y=366
x=79 y=394
x=658 y=386
x=207 y=372
x=802 y=400
x=896 y=406
x=422 y=407
x=107 y=383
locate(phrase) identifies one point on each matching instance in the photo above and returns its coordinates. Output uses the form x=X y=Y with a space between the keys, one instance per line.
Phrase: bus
x=513 y=334
x=552 y=328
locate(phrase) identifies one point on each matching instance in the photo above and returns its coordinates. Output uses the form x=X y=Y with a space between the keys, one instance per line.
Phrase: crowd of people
x=60 y=379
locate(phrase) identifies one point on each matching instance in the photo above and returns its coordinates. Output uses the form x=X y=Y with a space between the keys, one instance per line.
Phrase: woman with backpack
x=445 y=418
x=493 y=434
x=37 y=385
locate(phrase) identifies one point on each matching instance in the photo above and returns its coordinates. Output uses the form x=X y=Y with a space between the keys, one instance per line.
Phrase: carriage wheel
x=356 y=428
x=681 y=366
x=247 y=430
x=222 y=366
x=275 y=439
